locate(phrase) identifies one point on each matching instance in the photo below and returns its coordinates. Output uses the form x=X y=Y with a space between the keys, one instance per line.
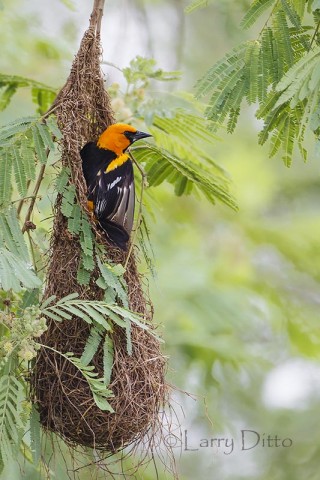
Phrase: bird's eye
x=129 y=135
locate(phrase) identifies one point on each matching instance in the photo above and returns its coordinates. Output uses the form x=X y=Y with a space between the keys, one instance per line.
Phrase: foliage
x=22 y=324
x=12 y=416
x=42 y=95
x=279 y=71
x=16 y=271
x=24 y=145
x=195 y=5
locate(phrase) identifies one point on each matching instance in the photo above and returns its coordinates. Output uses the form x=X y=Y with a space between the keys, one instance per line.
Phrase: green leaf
x=39 y=146
x=68 y=200
x=35 y=438
x=11 y=423
x=102 y=403
x=15 y=268
x=6 y=95
x=218 y=77
x=77 y=312
x=108 y=352
x=67 y=298
x=86 y=237
x=83 y=276
x=291 y=13
x=252 y=58
x=14 y=238
x=197 y=4
x=6 y=163
x=45 y=135
x=75 y=220
x=43 y=99
x=296 y=78
x=98 y=389
x=91 y=346
x=47 y=302
x=27 y=156
x=112 y=281
x=257 y=8
x=9 y=132
x=60 y=313
x=62 y=179
x=19 y=172
x=87 y=262
x=211 y=186
x=53 y=127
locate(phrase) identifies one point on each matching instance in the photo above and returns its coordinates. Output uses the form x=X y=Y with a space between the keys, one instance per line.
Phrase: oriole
x=109 y=177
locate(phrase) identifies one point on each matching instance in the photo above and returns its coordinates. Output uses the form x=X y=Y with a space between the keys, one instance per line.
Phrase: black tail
x=116 y=233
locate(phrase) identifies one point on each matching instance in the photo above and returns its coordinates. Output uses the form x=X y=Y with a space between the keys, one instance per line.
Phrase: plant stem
x=138 y=222
x=32 y=251
x=315 y=35
x=34 y=196
x=22 y=200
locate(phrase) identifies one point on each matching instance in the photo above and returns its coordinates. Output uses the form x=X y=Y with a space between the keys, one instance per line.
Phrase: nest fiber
x=62 y=395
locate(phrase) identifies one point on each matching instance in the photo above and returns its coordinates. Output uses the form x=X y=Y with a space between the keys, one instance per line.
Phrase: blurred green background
x=237 y=294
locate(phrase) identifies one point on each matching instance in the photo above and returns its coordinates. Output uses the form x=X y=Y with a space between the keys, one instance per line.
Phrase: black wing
x=112 y=193
x=93 y=160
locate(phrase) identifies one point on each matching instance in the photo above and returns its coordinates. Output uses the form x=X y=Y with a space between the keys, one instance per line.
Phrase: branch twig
x=34 y=197
x=21 y=201
x=96 y=15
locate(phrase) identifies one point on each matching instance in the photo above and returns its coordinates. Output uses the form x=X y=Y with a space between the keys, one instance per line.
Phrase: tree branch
x=96 y=15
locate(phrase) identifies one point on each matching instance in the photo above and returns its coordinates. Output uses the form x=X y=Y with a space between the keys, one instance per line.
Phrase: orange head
x=119 y=136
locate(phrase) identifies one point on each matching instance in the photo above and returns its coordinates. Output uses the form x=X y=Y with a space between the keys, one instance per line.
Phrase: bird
x=108 y=172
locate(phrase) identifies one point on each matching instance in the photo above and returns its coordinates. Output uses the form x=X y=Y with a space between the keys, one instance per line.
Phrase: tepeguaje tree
x=278 y=71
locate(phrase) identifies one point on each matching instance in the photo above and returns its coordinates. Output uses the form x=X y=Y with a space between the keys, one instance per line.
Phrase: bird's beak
x=138 y=135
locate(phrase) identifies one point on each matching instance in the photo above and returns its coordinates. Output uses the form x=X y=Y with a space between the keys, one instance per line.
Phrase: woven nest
x=61 y=393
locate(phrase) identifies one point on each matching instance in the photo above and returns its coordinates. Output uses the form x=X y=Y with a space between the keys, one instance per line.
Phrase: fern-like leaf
x=68 y=200
x=27 y=155
x=45 y=135
x=108 y=351
x=6 y=95
x=15 y=273
x=92 y=345
x=196 y=5
x=39 y=146
x=291 y=12
x=257 y=8
x=225 y=68
x=11 y=424
x=156 y=159
x=43 y=95
x=19 y=171
x=35 y=435
x=15 y=268
x=252 y=58
x=10 y=132
x=5 y=176
x=113 y=281
x=297 y=77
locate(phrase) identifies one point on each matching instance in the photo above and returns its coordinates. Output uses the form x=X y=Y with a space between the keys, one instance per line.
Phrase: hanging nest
x=62 y=395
